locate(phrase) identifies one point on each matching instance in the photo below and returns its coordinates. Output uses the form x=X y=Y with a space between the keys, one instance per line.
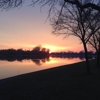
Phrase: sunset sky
x=26 y=27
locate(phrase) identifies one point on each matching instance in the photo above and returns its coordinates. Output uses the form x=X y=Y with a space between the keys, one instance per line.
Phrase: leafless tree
x=94 y=42
x=76 y=22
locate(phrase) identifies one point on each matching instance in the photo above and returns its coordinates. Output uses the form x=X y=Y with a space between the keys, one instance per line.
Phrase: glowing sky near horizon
x=26 y=27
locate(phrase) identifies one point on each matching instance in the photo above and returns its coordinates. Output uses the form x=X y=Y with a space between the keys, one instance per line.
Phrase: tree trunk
x=98 y=59
x=86 y=57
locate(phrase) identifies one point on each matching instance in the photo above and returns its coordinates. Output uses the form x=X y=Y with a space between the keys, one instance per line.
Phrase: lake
x=13 y=68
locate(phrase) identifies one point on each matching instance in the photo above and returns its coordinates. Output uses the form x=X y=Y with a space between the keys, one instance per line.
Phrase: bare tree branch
x=7 y=4
x=84 y=6
x=93 y=6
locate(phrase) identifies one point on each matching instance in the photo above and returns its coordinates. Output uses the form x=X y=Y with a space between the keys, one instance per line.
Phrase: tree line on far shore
x=37 y=52
x=72 y=54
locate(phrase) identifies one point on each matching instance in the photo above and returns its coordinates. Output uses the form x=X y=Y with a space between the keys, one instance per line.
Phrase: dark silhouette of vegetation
x=7 y=4
x=37 y=53
x=81 y=4
x=94 y=42
x=76 y=22
x=94 y=4
x=71 y=54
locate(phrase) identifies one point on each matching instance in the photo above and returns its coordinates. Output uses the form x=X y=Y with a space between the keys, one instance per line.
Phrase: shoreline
x=68 y=82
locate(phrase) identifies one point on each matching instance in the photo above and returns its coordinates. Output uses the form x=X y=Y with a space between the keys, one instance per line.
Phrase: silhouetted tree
x=76 y=22
x=37 y=48
x=94 y=42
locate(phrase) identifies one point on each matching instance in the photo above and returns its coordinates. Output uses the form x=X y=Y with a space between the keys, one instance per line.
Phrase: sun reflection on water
x=9 y=69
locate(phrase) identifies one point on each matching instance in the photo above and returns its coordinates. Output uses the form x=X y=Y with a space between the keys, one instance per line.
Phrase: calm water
x=9 y=69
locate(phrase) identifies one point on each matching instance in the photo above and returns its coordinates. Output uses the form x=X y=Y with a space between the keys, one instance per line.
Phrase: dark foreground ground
x=69 y=82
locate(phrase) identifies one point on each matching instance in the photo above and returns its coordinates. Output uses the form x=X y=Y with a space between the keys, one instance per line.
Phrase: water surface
x=13 y=68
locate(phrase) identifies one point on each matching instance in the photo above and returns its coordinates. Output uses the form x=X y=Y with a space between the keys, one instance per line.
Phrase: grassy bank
x=69 y=82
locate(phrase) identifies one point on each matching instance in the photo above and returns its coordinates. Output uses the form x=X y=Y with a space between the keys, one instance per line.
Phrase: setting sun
x=55 y=48
x=52 y=48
